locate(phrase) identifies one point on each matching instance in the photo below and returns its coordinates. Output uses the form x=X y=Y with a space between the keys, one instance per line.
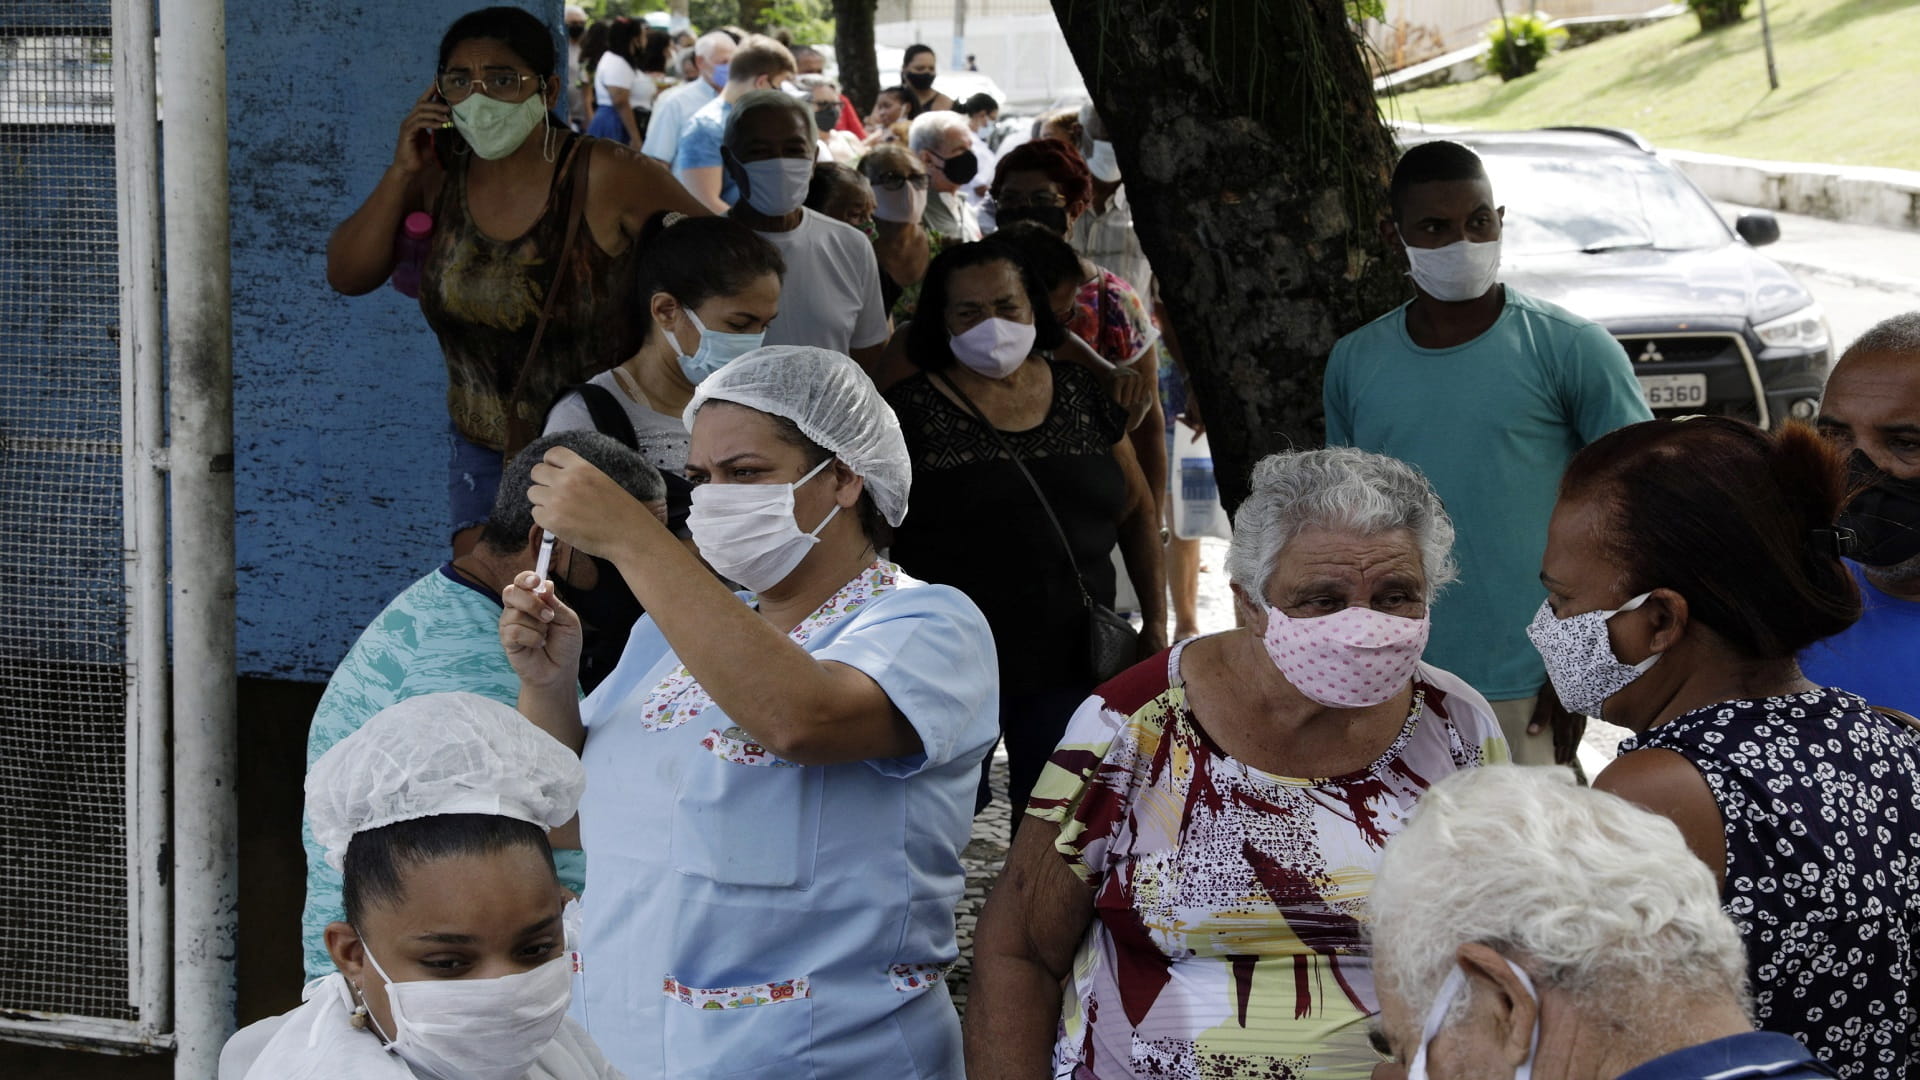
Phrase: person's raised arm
x=1022 y=954
x=703 y=183
x=542 y=638
x=637 y=188
x=360 y=251
x=1141 y=550
x=807 y=711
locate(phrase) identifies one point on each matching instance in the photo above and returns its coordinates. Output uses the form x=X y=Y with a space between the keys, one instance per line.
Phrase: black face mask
x=1885 y=515
x=1051 y=218
x=574 y=32
x=919 y=80
x=961 y=167
x=826 y=116
x=607 y=608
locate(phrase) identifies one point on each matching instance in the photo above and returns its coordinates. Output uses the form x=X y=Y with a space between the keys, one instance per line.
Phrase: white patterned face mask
x=1579 y=656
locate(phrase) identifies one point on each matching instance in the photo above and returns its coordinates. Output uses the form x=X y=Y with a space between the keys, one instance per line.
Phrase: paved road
x=1860 y=274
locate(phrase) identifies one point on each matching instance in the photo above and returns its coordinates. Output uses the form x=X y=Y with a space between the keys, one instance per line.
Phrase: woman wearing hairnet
x=779 y=789
x=453 y=961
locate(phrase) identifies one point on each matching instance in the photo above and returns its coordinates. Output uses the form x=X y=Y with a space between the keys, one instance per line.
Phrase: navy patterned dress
x=1821 y=798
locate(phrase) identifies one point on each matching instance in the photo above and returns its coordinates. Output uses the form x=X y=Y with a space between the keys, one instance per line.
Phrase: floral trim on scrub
x=907 y=978
x=737 y=997
x=679 y=698
x=737 y=745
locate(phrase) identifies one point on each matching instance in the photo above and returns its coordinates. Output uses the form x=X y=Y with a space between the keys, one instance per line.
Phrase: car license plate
x=1674 y=391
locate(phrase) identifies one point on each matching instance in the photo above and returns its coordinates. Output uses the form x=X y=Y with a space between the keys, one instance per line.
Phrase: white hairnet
x=833 y=403
x=440 y=754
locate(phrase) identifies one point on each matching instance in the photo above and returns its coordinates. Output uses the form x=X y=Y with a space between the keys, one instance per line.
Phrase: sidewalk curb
x=1857 y=195
x=1884 y=283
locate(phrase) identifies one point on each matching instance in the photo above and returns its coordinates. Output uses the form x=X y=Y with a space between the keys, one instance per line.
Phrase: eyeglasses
x=894 y=181
x=509 y=86
x=1018 y=200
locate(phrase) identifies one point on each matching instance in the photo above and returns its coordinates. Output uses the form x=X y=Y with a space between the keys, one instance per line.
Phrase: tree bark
x=1256 y=164
x=853 y=48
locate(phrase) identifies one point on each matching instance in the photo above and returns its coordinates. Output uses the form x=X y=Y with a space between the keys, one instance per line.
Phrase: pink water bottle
x=410 y=252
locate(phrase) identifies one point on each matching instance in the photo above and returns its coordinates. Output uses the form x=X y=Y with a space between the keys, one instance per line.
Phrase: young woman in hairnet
x=780 y=787
x=453 y=963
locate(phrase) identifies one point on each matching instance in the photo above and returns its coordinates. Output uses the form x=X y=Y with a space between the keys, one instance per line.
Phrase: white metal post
x=957 y=60
x=193 y=79
x=137 y=175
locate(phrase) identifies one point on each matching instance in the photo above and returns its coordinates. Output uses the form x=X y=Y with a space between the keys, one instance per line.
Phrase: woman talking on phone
x=528 y=276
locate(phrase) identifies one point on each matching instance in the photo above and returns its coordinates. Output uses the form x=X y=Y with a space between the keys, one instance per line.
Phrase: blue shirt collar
x=1750 y=1056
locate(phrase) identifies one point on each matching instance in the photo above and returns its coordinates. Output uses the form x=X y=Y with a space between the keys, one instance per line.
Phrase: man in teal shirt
x=1489 y=392
x=443 y=633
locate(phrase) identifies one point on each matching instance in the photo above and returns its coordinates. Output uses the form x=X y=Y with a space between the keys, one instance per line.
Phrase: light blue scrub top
x=770 y=920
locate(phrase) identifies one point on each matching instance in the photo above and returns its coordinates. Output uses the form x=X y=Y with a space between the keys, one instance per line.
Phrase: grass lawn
x=1849 y=86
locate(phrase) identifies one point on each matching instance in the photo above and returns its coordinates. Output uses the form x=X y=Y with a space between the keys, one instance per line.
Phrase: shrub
x=1714 y=14
x=1531 y=40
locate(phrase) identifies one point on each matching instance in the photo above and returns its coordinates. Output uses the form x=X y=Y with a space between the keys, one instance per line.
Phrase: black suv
x=1598 y=224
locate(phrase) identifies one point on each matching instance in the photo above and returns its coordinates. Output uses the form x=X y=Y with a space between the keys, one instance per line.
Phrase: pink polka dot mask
x=1350 y=659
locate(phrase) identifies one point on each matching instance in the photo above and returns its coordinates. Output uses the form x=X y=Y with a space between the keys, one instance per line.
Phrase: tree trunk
x=853 y=48
x=1256 y=164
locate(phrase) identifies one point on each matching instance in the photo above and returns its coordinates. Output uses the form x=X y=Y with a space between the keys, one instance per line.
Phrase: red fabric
x=849 y=119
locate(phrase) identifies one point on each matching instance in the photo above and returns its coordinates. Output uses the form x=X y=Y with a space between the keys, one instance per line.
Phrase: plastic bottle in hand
x=410 y=252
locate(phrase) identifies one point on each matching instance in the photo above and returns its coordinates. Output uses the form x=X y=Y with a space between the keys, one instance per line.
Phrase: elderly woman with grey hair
x=1195 y=866
x=1533 y=923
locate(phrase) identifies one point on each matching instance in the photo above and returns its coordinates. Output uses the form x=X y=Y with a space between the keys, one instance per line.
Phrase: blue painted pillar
x=339 y=402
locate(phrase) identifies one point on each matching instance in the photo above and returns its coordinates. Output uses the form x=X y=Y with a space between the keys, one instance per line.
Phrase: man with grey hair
x=830 y=298
x=761 y=63
x=1871 y=411
x=442 y=633
x=671 y=110
x=944 y=142
x=1525 y=926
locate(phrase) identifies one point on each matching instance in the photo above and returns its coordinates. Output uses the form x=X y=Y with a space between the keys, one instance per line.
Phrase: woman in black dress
x=1687 y=564
x=976 y=523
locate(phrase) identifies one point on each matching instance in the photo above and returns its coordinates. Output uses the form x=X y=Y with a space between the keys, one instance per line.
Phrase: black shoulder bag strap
x=608 y=417
x=1065 y=546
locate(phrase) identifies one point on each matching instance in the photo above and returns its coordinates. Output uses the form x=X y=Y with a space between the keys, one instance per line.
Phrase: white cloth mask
x=1453 y=987
x=904 y=206
x=1459 y=271
x=494 y=129
x=747 y=532
x=1579 y=656
x=715 y=351
x=777 y=187
x=994 y=347
x=1352 y=659
x=478 y=1029
x=1102 y=164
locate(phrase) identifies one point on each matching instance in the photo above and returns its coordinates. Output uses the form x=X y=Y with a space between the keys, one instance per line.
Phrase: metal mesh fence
x=63 y=717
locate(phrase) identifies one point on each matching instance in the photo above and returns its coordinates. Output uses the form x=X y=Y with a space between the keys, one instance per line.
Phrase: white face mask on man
x=747 y=532
x=1462 y=270
x=478 y=1029
x=777 y=187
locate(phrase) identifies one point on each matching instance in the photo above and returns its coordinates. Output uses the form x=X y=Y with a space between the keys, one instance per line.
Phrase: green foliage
x=1362 y=10
x=1714 y=14
x=1517 y=44
x=810 y=21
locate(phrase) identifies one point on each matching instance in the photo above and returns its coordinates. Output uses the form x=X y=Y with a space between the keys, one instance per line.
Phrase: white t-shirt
x=613 y=73
x=830 y=297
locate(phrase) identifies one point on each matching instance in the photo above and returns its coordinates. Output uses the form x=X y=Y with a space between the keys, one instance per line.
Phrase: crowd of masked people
x=779 y=496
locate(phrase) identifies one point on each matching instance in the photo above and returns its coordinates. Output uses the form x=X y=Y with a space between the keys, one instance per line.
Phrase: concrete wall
x=340 y=420
x=1889 y=198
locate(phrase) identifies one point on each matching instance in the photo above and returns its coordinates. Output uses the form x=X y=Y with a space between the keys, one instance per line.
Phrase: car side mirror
x=1758 y=228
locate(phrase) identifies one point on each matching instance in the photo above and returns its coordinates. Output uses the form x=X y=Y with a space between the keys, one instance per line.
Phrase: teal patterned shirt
x=441 y=634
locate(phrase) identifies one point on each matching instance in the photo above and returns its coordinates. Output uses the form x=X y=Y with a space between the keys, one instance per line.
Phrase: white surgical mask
x=747 y=532
x=478 y=1029
x=1453 y=987
x=994 y=347
x=1102 y=164
x=1579 y=656
x=904 y=206
x=495 y=129
x=715 y=351
x=1459 y=271
x=777 y=187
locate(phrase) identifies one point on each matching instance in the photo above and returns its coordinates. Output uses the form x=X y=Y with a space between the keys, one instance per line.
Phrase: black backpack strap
x=608 y=417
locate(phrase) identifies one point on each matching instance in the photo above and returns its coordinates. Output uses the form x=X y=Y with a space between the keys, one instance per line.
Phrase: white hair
x=755 y=100
x=929 y=128
x=1340 y=488
x=710 y=42
x=1587 y=892
x=809 y=83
